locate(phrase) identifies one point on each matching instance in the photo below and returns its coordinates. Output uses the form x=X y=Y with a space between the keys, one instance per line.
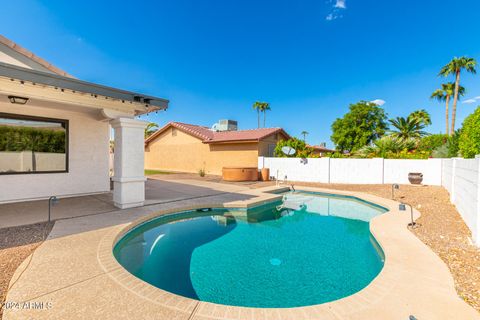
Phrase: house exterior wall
x=267 y=145
x=88 y=158
x=174 y=150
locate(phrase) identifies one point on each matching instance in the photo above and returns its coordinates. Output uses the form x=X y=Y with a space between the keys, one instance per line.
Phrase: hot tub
x=240 y=173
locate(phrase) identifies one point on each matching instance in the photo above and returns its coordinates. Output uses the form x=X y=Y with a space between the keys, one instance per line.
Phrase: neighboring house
x=321 y=150
x=189 y=148
x=55 y=132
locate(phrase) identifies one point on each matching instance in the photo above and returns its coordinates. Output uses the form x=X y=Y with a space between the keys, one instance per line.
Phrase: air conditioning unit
x=225 y=125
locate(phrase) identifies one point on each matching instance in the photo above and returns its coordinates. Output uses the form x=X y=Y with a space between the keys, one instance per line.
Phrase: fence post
x=477 y=216
x=452 y=187
x=329 y=159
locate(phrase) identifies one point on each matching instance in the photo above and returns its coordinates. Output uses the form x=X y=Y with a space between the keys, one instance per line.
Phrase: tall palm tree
x=266 y=107
x=407 y=128
x=304 y=134
x=258 y=106
x=261 y=107
x=443 y=95
x=455 y=67
x=150 y=129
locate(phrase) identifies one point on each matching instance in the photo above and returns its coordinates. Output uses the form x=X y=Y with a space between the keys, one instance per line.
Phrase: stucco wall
x=181 y=152
x=266 y=145
x=88 y=159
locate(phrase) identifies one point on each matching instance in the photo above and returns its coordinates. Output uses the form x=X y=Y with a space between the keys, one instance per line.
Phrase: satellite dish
x=288 y=150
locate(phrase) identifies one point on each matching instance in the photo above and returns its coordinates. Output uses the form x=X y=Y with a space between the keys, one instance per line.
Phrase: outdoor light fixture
x=51 y=202
x=394 y=186
x=403 y=207
x=17 y=100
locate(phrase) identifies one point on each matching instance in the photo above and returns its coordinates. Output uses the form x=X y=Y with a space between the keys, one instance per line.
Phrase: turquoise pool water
x=261 y=257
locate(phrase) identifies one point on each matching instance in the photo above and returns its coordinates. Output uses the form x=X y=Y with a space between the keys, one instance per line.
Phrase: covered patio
x=56 y=138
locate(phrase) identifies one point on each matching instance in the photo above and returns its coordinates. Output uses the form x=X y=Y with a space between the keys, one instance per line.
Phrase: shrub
x=469 y=139
x=432 y=142
x=201 y=172
x=453 y=149
x=387 y=147
x=301 y=149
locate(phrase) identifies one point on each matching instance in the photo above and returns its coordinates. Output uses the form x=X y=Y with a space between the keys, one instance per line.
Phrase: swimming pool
x=268 y=256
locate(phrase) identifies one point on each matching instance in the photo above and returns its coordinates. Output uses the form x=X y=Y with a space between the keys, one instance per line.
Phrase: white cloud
x=477 y=98
x=340 y=4
x=378 y=102
x=468 y=101
x=337 y=7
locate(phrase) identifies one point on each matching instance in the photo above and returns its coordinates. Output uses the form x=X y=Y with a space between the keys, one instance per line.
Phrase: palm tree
x=444 y=95
x=421 y=115
x=455 y=67
x=258 y=106
x=407 y=128
x=150 y=129
x=266 y=107
x=261 y=107
x=304 y=134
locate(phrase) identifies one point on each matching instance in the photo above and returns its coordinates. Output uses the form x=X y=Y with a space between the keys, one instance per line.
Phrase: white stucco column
x=129 y=176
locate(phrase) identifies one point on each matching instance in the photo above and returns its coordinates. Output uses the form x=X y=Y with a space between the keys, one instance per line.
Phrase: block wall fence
x=461 y=177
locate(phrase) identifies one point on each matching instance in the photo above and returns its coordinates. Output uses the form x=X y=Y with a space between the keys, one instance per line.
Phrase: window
x=271 y=150
x=32 y=144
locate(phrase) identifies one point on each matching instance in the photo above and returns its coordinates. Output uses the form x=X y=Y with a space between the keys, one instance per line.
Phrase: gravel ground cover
x=16 y=244
x=440 y=227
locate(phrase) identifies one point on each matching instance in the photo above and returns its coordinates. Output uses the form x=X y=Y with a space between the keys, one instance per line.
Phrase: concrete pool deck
x=75 y=274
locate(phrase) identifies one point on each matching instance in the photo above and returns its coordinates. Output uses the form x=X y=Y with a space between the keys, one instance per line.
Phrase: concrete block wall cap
x=129 y=179
x=128 y=122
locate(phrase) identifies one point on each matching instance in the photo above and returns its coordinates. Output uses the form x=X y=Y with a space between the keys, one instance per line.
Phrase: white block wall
x=356 y=171
x=396 y=170
x=362 y=171
x=461 y=177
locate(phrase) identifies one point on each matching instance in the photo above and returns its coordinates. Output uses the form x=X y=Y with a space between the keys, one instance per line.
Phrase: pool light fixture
x=403 y=207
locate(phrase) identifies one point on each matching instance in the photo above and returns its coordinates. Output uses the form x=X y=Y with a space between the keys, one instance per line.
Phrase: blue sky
x=213 y=58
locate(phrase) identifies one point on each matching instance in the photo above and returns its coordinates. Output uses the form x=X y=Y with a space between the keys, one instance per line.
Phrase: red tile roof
x=209 y=136
x=322 y=149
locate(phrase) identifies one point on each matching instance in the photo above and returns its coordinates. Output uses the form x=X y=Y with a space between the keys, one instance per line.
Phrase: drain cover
x=275 y=262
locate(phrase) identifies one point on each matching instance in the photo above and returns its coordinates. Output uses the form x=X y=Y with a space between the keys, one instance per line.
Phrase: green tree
x=407 y=128
x=300 y=147
x=304 y=134
x=150 y=129
x=443 y=95
x=455 y=67
x=363 y=124
x=469 y=139
x=261 y=107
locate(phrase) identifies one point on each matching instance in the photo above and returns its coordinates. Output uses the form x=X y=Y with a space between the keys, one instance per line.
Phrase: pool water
x=265 y=257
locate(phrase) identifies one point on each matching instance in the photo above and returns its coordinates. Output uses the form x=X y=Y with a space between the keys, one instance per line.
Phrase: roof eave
x=23 y=74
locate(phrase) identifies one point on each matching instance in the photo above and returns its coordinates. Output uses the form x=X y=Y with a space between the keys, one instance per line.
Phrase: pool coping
x=394 y=291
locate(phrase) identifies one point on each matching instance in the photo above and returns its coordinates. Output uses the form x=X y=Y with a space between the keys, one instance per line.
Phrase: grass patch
x=151 y=172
